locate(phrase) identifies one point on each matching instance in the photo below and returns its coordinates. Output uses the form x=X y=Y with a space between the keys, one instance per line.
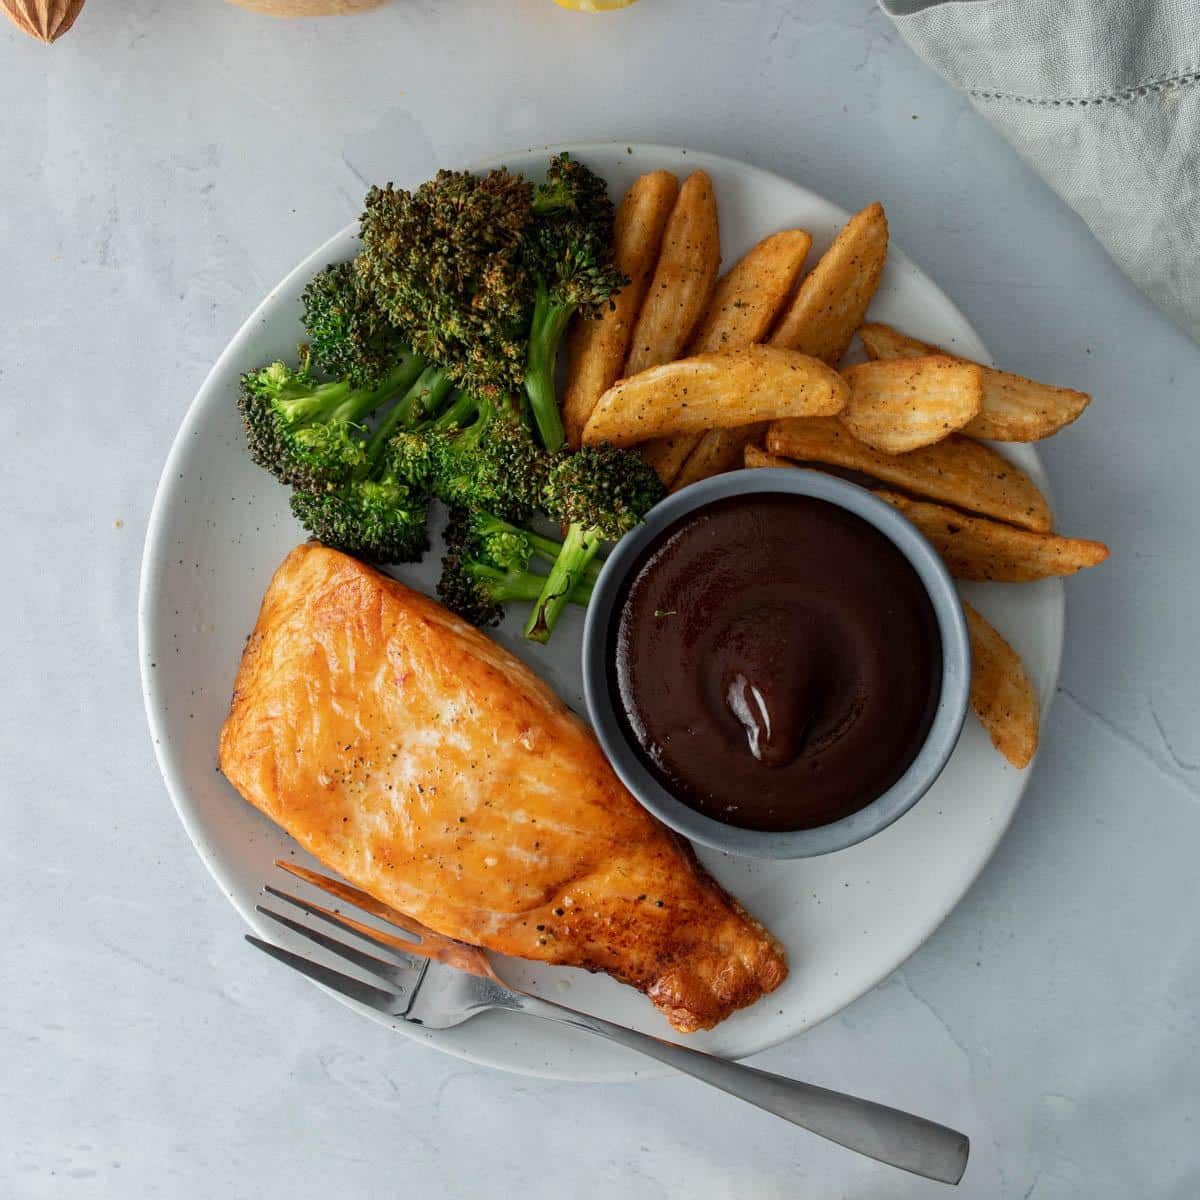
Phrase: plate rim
x=153 y=553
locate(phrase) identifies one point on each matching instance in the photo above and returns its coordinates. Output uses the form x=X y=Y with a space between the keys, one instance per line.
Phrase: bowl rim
x=949 y=716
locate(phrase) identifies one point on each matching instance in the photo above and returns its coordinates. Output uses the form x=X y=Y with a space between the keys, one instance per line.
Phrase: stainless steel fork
x=433 y=981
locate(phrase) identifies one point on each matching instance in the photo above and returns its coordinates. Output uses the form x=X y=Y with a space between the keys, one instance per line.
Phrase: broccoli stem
x=549 y=199
x=427 y=394
x=578 y=549
x=340 y=402
x=460 y=412
x=403 y=412
x=362 y=402
x=505 y=586
x=316 y=405
x=545 y=333
x=547 y=549
x=405 y=373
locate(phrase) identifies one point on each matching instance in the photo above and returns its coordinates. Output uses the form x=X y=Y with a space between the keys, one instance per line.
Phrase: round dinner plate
x=220 y=526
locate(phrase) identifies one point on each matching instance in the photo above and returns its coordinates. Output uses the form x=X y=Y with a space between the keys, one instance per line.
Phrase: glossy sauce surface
x=777 y=661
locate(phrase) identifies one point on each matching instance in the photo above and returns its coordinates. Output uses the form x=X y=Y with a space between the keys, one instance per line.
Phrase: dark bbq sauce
x=777 y=661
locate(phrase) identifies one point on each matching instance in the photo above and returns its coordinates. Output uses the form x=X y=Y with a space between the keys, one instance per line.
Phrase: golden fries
x=977 y=549
x=744 y=305
x=597 y=348
x=1001 y=695
x=683 y=278
x=712 y=391
x=902 y=404
x=833 y=299
x=955 y=470
x=1014 y=409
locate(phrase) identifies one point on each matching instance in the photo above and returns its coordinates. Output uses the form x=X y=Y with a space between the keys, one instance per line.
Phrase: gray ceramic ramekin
x=603 y=706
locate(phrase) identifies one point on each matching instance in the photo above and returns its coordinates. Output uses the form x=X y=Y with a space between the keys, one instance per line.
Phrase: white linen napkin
x=1102 y=99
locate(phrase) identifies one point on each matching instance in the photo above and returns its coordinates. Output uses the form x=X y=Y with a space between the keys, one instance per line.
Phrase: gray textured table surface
x=165 y=164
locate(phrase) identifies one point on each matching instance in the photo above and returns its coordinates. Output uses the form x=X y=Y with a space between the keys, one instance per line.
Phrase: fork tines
x=346 y=985
x=402 y=970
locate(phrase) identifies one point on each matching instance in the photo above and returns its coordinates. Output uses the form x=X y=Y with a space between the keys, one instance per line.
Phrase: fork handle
x=885 y=1134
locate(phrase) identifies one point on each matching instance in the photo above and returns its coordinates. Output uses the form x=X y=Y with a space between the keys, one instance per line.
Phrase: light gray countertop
x=163 y=166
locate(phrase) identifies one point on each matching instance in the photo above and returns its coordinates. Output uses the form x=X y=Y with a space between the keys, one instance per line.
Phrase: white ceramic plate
x=220 y=526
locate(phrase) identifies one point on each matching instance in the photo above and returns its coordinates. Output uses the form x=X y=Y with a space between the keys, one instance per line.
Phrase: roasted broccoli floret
x=380 y=519
x=445 y=262
x=478 y=454
x=308 y=433
x=601 y=493
x=374 y=513
x=481 y=273
x=351 y=336
x=486 y=566
x=568 y=251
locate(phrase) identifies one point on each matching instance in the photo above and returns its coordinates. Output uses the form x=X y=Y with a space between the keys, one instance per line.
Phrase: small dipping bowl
x=605 y=708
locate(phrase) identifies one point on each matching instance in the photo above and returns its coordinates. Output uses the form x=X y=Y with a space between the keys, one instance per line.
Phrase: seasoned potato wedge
x=668 y=454
x=744 y=305
x=901 y=404
x=884 y=341
x=821 y=320
x=832 y=300
x=1001 y=695
x=712 y=391
x=756 y=456
x=956 y=470
x=597 y=348
x=827 y=308
x=978 y=549
x=1014 y=409
x=683 y=278
x=718 y=451
x=750 y=295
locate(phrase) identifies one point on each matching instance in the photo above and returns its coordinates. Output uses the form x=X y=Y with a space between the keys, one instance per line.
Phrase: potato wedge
x=833 y=298
x=683 y=278
x=668 y=454
x=884 y=341
x=1014 y=409
x=597 y=349
x=744 y=305
x=956 y=470
x=750 y=295
x=756 y=456
x=718 y=451
x=977 y=549
x=898 y=405
x=713 y=391
x=1001 y=695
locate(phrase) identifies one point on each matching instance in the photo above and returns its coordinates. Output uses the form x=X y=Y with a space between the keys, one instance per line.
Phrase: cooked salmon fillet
x=428 y=766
